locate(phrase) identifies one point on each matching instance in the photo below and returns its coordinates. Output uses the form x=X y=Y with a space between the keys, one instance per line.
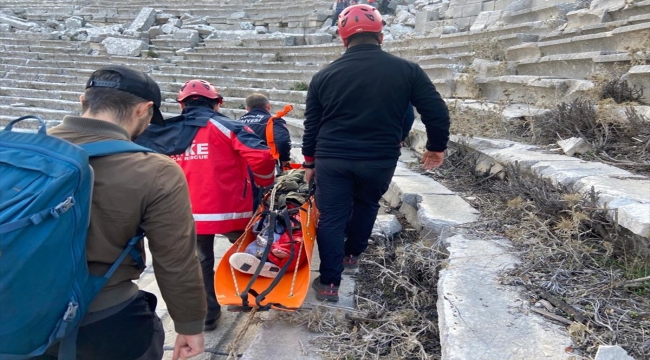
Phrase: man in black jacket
x=354 y=124
x=257 y=117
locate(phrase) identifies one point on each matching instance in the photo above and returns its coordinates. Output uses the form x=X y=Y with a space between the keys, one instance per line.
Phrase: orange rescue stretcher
x=287 y=291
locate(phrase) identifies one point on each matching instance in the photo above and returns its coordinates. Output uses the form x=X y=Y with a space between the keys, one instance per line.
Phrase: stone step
x=536 y=90
x=268 y=65
x=444 y=59
x=73 y=106
x=303 y=49
x=635 y=8
x=640 y=76
x=574 y=66
x=616 y=40
x=539 y=13
x=278 y=56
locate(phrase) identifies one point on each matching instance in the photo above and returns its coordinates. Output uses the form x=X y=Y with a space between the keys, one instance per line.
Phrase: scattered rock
x=386 y=226
x=318 y=39
x=186 y=16
x=398 y=30
x=204 y=30
x=124 y=47
x=54 y=24
x=74 y=23
x=5 y=28
x=168 y=29
x=261 y=30
x=610 y=5
x=16 y=22
x=195 y=21
x=574 y=145
x=520 y=5
x=163 y=18
x=612 y=353
x=144 y=20
x=155 y=31
x=238 y=15
x=190 y=36
x=246 y=25
x=175 y=22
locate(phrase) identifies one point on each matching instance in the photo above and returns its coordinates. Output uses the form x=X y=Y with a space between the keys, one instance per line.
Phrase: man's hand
x=188 y=346
x=432 y=159
x=309 y=175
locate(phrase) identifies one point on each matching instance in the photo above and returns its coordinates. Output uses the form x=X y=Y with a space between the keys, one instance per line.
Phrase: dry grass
x=571 y=254
x=396 y=314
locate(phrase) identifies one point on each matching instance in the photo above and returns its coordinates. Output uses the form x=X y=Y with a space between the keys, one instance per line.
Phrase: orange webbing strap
x=270 y=140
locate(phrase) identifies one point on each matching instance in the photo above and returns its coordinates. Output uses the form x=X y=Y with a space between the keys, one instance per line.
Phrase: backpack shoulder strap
x=112 y=147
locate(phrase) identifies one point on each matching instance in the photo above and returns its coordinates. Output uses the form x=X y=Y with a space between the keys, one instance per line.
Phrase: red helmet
x=359 y=19
x=198 y=87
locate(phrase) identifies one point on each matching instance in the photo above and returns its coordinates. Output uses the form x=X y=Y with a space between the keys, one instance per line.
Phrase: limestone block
x=16 y=22
x=398 y=30
x=567 y=173
x=261 y=30
x=410 y=189
x=615 y=192
x=386 y=226
x=575 y=145
x=470 y=291
x=175 y=22
x=204 y=30
x=402 y=17
x=636 y=218
x=485 y=20
x=144 y=20
x=74 y=23
x=318 y=39
x=103 y=31
x=436 y=213
x=238 y=15
x=454 y=12
x=168 y=29
x=472 y=9
x=640 y=76
x=163 y=18
x=191 y=36
x=124 y=47
x=585 y=17
x=54 y=24
x=410 y=22
x=608 y=352
x=195 y=21
x=611 y=5
x=155 y=31
x=5 y=28
x=519 y=5
x=246 y=25
x=423 y=17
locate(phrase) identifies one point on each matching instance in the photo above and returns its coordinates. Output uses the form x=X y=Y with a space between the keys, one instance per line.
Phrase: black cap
x=134 y=82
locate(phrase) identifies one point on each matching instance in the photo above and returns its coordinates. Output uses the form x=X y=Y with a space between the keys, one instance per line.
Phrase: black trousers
x=205 y=249
x=135 y=332
x=347 y=196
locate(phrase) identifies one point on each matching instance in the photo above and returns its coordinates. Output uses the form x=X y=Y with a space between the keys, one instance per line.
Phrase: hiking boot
x=351 y=262
x=325 y=292
x=211 y=324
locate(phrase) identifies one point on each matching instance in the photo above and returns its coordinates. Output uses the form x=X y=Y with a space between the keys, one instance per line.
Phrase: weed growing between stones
x=299 y=86
x=623 y=144
x=576 y=263
x=621 y=92
x=396 y=315
x=277 y=57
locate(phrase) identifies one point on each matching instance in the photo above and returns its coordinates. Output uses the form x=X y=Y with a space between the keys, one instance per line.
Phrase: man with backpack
x=134 y=191
x=354 y=124
x=215 y=153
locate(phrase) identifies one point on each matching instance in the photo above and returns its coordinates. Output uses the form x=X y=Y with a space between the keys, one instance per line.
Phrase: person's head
x=124 y=96
x=353 y=2
x=257 y=101
x=360 y=24
x=199 y=93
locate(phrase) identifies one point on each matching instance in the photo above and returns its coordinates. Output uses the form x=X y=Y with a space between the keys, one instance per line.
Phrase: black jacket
x=356 y=106
x=177 y=134
x=257 y=119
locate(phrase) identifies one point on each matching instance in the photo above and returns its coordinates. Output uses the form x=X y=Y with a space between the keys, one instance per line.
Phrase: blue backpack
x=45 y=287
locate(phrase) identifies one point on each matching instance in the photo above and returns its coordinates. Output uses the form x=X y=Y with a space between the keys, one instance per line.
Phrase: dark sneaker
x=350 y=262
x=211 y=324
x=325 y=292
